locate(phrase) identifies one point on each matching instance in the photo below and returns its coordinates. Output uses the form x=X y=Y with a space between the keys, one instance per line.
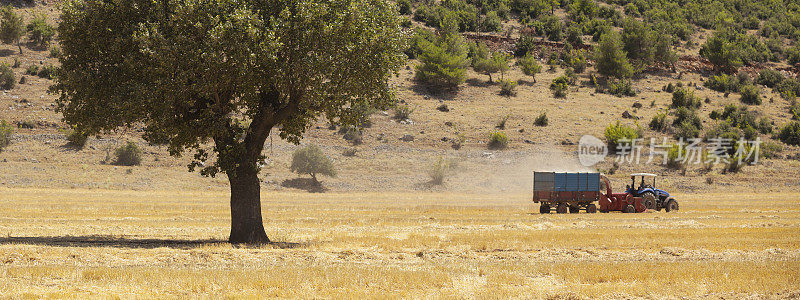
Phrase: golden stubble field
x=72 y=242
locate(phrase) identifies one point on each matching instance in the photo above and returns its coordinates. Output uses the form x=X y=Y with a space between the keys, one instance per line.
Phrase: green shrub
x=575 y=59
x=444 y=62
x=790 y=134
x=621 y=88
x=616 y=132
x=128 y=155
x=794 y=110
x=496 y=62
x=723 y=83
x=7 y=79
x=77 y=138
x=723 y=129
x=440 y=170
x=684 y=97
x=659 y=122
x=55 y=52
x=32 y=70
x=498 y=140
x=47 y=72
x=560 y=86
x=675 y=157
x=750 y=95
x=310 y=160
x=40 y=32
x=687 y=130
x=508 y=88
x=5 y=134
x=541 y=120
x=404 y=7
x=770 y=149
x=610 y=58
x=769 y=78
x=492 y=22
x=529 y=66
x=403 y=112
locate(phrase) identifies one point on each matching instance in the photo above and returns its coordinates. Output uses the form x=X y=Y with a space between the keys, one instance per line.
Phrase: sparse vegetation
x=560 y=86
x=617 y=133
x=508 y=88
x=541 y=120
x=790 y=133
x=77 y=138
x=530 y=66
x=40 y=32
x=7 y=78
x=659 y=122
x=498 y=140
x=128 y=155
x=5 y=134
x=311 y=161
x=403 y=112
x=440 y=169
x=750 y=95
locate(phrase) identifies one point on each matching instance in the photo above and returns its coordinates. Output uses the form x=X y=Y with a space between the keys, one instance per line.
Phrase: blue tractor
x=652 y=198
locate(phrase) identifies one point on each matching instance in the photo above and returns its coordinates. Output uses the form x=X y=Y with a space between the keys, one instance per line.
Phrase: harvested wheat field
x=68 y=243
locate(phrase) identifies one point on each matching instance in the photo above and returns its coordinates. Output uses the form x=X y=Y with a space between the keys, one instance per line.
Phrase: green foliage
x=686 y=130
x=529 y=65
x=444 y=62
x=440 y=170
x=790 y=133
x=55 y=51
x=638 y=43
x=128 y=155
x=498 y=140
x=403 y=112
x=508 y=88
x=11 y=27
x=5 y=134
x=684 y=97
x=32 y=70
x=575 y=35
x=404 y=7
x=497 y=62
x=541 y=120
x=419 y=39
x=77 y=138
x=560 y=86
x=575 y=59
x=234 y=55
x=723 y=83
x=721 y=53
x=492 y=22
x=794 y=110
x=7 y=78
x=789 y=88
x=659 y=122
x=553 y=28
x=40 y=32
x=310 y=160
x=46 y=72
x=687 y=123
x=526 y=45
x=674 y=156
x=770 y=149
x=618 y=132
x=610 y=57
x=621 y=88
x=750 y=95
x=769 y=78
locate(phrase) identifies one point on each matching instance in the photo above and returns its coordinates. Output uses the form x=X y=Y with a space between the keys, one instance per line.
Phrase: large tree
x=215 y=77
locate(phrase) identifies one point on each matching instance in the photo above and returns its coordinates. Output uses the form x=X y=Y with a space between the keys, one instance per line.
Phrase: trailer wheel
x=544 y=209
x=629 y=209
x=561 y=208
x=591 y=208
x=671 y=205
x=574 y=209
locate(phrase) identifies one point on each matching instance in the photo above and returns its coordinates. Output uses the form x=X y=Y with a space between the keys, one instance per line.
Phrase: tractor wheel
x=544 y=209
x=574 y=209
x=671 y=205
x=561 y=208
x=649 y=201
x=591 y=208
x=629 y=209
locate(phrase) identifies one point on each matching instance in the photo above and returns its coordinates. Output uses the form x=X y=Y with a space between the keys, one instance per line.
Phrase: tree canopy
x=215 y=76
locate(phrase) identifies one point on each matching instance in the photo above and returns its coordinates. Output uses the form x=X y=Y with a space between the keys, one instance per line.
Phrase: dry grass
x=67 y=243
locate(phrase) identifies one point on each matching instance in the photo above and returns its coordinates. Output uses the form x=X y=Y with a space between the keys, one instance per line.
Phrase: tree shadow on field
x=7 y=52
x=306 y=184
x=434 y=92
x=124 y=242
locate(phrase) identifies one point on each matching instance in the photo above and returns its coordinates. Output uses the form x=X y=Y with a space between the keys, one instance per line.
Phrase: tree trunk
x=20 y=46
x=246 y=223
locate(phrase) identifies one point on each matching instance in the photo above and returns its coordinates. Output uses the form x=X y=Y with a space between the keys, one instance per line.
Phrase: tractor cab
x=654 y=198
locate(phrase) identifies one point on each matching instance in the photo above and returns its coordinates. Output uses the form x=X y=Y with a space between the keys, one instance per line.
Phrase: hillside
x=38 y=155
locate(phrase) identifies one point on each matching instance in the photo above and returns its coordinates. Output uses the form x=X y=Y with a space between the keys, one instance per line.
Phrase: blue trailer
x=566 y=191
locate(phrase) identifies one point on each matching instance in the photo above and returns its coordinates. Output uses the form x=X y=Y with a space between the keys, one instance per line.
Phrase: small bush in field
x=440 y=170
x=659 y=122
x=621 y=87
x=310 y=160
x=541 y=120
x=77 y=138
x=617 y=132
x=770 y=149
x=750 y=95
x=508 y=88
x=5 y=134
x=560 y=86
x=790 y=134
x=498 y=140
x=402 y=112
x=7 y=79
x=674 y=156
x=128 y=155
